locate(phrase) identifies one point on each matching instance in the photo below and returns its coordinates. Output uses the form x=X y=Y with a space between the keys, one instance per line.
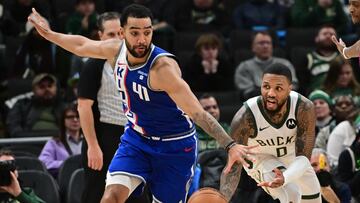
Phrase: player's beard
x=134 y=53
x=280 y=104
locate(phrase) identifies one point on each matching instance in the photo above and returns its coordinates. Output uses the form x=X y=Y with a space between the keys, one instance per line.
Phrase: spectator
x=35 y=55
x=13 y=192
x=318 y=61
x=208 y=69
x=83 y=20
x=323 y=106
x=341 y=137
x=259 y=13
x=162 y=10
x=340 y=80
x=349 y=165
x=248 y=74
x=67 y=143
x=206 y=142
x=331 y=189
x=42 y=111
x=314 y=13
x=200 y=15
x=344 y=106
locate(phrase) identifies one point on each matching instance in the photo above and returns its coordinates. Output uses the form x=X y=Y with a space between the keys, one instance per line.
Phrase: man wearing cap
x=38 y=113
x=323 y=105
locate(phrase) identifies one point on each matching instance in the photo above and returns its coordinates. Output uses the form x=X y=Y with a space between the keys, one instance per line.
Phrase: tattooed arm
x=165 y=75
x=242 y=127
x=305 y=138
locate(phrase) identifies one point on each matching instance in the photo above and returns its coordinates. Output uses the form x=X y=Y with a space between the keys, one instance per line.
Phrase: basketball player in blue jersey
x=282 y=122
x=158 y=147
x=354 y=50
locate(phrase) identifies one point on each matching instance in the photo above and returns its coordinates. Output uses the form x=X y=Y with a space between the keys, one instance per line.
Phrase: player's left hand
x=277 y=182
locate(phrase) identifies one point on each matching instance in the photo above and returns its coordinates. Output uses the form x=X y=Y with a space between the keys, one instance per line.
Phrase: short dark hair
x=105 y=17
x=206 y=96
x=6 y=152
x=278 y=69
x=326 y=25
x=135 y=11
x=77 y=2
x=263 y=32
x=208 y=40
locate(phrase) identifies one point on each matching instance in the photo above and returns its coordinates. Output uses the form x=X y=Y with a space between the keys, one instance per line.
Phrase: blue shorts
x=166 y=166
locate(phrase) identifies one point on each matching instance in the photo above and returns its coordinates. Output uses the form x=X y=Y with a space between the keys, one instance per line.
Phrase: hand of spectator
x=95 y=157
x=324 y=3
x=329 y=195
x=14 y=188
x=277 y=182
x=240 y=153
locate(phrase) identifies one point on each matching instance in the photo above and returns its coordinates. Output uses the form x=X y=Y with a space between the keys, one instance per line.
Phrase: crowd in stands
x=222 y=46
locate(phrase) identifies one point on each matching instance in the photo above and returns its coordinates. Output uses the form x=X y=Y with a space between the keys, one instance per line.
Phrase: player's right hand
x=95 y=157
x=41 y=25
x=240 y=153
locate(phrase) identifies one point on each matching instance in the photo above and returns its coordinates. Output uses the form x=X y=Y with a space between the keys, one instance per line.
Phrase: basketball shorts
x=166 y=166
x=303 y=189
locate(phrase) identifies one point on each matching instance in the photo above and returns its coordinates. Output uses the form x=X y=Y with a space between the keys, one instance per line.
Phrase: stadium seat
x=66 y=170
x=29 y=163
x=76 y=186
x=42 y=183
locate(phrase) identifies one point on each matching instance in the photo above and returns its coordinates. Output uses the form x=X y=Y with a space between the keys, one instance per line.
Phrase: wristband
x=343 y=53
x=230 y=145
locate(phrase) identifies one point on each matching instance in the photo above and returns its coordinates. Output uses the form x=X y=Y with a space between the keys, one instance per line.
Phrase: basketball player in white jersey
x=282 y=123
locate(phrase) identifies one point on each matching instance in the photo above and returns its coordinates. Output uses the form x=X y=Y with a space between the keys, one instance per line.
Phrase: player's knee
x=115 y=194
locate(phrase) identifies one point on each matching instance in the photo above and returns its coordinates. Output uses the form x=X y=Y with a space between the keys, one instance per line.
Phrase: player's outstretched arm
x=347 y=52
x=305 y=138
x=76 y=44
x=165 y=75
x=241 y=127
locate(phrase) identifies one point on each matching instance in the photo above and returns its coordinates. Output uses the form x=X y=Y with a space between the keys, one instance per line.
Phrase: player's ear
x=122 y=31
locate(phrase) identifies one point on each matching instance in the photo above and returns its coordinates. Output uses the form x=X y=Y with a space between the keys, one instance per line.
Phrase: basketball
x=207 y=194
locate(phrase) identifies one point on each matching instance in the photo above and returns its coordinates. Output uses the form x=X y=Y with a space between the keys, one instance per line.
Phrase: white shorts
x=303 y=189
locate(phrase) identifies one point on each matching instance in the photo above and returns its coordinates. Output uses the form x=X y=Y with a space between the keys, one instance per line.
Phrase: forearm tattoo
x=242 y=127
x=211 y=126
x=305 y=138
x=230 y=181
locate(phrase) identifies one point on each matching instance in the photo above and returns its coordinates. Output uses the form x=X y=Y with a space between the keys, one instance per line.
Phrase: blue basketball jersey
x=149 y=112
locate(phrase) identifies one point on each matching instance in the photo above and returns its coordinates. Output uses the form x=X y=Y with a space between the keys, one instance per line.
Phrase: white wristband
x=343 y=53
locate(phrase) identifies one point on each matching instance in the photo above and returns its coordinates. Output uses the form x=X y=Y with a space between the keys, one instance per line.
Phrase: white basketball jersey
x=275 y=139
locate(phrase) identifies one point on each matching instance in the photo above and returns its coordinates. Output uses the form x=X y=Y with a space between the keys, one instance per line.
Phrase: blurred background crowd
x=222 y=47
